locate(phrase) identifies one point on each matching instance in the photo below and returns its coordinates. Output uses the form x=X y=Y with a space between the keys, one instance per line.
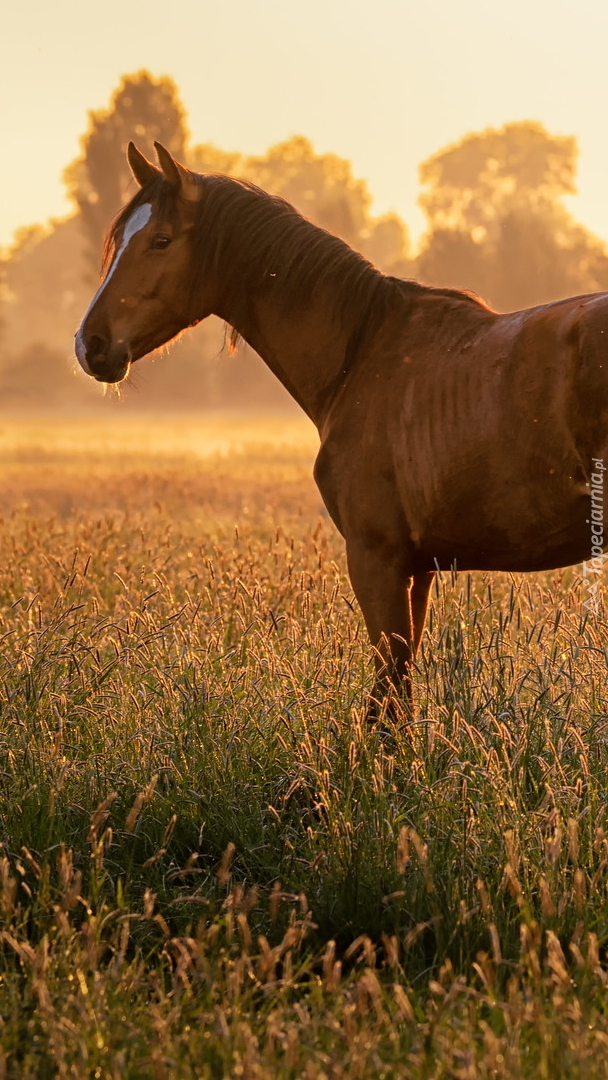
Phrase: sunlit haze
x=384 y=85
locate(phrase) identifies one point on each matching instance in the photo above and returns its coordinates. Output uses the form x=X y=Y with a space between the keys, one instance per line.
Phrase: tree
x=323 y=188
x=497 y=222
x=99 y=182
x=4 y=296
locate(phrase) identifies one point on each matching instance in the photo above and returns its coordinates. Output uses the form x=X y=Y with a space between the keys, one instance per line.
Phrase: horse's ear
x=143 y=170
x=178 y=175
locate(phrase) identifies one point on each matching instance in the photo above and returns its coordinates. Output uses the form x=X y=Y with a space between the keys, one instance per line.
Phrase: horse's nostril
x=95 y=345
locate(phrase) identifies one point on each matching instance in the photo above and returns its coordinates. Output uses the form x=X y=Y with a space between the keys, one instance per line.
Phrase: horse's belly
x=521 y=535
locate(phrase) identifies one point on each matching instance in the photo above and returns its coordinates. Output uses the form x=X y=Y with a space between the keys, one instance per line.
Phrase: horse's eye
x=161 y=241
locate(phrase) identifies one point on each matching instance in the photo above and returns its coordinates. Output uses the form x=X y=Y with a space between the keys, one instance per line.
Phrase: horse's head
x=145 y=298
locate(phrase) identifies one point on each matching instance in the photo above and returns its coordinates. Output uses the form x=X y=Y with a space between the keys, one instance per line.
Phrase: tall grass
x=210 y=866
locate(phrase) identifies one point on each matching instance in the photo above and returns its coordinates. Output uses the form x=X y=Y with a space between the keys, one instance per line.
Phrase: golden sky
x=384 y=83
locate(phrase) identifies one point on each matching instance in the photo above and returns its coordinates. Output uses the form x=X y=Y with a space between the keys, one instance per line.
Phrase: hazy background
x=461 y=144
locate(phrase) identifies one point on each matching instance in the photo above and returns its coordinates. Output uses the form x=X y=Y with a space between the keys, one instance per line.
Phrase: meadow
x=210 y=866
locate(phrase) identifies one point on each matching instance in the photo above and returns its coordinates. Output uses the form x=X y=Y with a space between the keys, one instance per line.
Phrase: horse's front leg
x=381 y=584
x=419 y=600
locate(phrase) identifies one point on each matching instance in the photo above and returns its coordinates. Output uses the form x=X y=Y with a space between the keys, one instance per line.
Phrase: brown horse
x=450 y=435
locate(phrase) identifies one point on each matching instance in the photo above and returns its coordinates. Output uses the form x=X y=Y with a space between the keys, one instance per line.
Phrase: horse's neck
x=305 y=350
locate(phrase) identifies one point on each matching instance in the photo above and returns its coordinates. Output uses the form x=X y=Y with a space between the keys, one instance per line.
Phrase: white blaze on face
x=136 y=222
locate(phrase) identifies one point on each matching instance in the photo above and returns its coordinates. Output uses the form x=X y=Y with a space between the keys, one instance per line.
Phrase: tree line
x=496 y=223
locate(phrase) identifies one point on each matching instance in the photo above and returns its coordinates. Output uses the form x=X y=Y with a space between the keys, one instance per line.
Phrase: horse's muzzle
x=105 y=361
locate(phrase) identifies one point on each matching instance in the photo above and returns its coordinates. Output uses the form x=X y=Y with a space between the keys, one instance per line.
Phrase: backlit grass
x=210 y=867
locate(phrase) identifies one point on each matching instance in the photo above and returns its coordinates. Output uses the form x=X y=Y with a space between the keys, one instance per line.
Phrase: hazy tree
x=144 y=109
x=386 y=243
x=42 y=377
x=544 y=256
x=320 y=185
x=474 y=182
x=4 y=297
x=207 y=158
x=46 y=291
x=497 y=222
x=323 y=188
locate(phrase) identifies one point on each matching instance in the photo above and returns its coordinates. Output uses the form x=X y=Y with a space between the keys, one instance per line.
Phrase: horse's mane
x=258 y=244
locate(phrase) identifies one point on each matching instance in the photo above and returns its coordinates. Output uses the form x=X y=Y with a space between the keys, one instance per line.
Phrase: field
x=210 y=867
